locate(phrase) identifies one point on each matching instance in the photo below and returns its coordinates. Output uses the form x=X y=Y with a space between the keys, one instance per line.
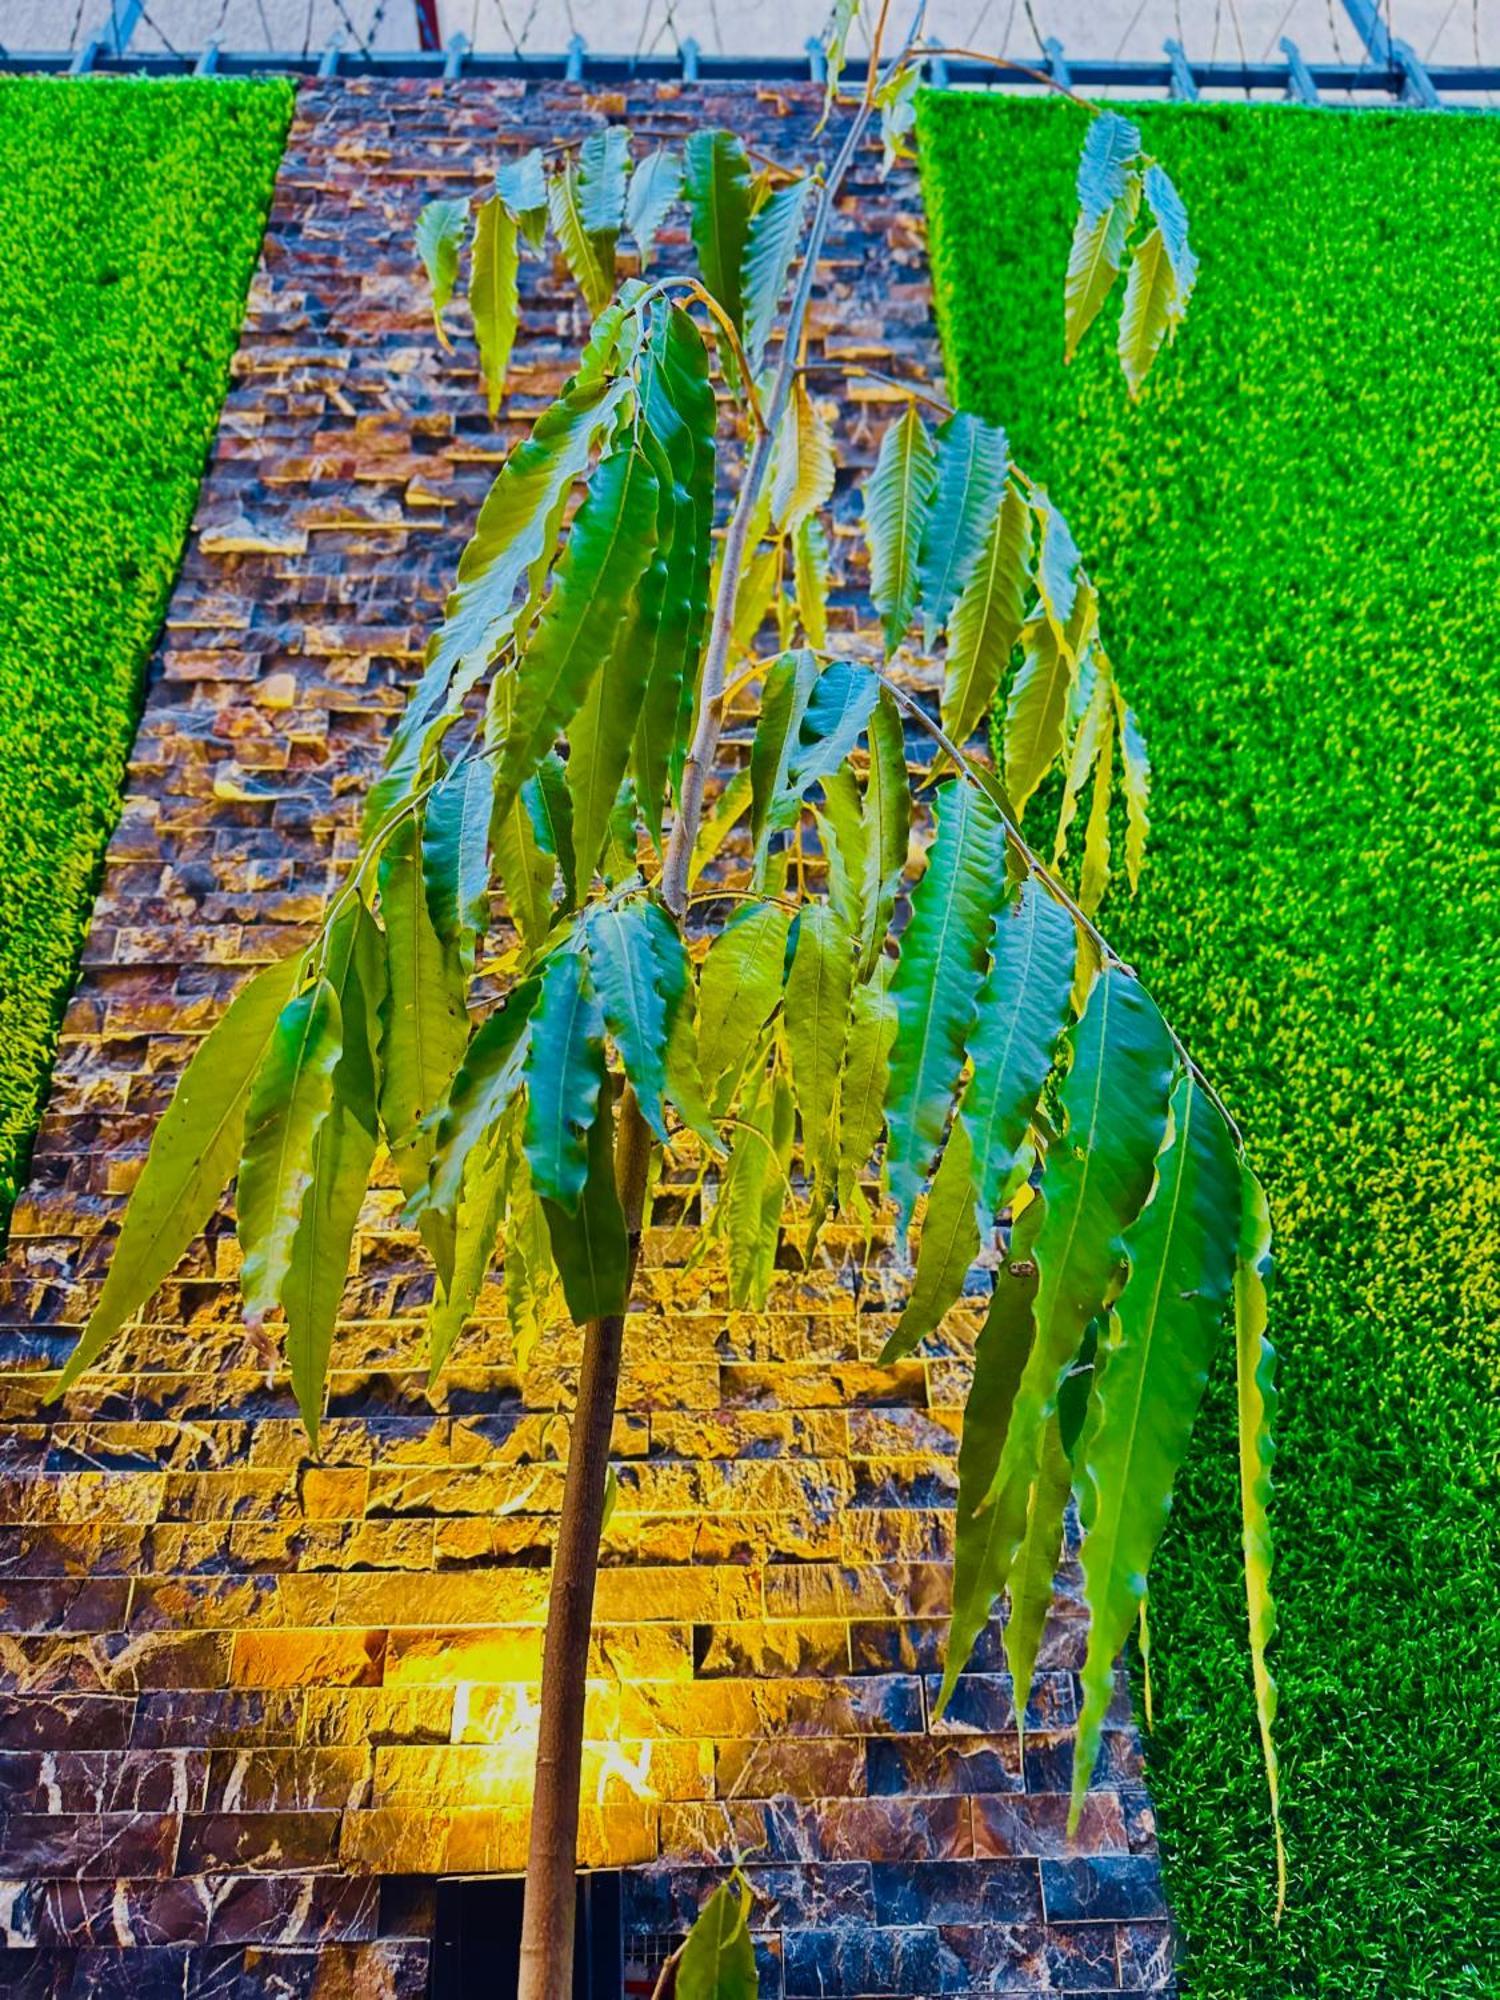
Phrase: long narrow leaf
x=494 y=297
x=1149 y=1380
x=654 y=186
x=817 y=1027
x=1019 y=1020
x=738 y=990
x=947 y=1250
x=944 y=950
x=898 y=499
x=343 y=1153
x=589 y=1240
x=971 y=463
x=195 y=1150
x=1098 y=1175
x=564 y=1072
x=441 y=228
x=290 y=1100
x=770 y=245
x=1255 y=1375
x=987 y=619
x=716 y=180
x=608 y=548
x=627 y=976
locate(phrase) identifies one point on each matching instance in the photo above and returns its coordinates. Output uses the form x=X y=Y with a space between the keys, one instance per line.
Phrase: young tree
x=780 y=1029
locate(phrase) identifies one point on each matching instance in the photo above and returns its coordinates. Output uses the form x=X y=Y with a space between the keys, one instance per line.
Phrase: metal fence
x=1429 y=54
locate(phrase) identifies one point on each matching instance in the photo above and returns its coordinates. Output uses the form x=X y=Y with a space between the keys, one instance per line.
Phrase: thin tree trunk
x=548 y=1913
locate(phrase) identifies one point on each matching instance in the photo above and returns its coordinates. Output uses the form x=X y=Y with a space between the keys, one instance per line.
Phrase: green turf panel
x=1295 y=538
x=131 y=214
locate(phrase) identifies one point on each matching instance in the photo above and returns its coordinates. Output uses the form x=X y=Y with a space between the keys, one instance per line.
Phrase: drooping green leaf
x=770 y=245
x=839 y=704
x=1058 y=575
x=872 y=1030
x=195 y=1150
x=845 y=839
x=716 y=179
x=1149 y=1379
x=1137 y=787
x=678 y=403
x=654 y=186
x=581 y=252
x=1109 y=193
x=424 y=1021
x=456 y=854
x=482 y=1091
x=987 y=620
x=947 y=1250
x=818 y=990
x=1150 y=309
x=897 y=102
x=521 y=184
x=1094 y=877
x=754 y=1192
x=674 y=978
x=718 y=1959
x=564 y=1070
x=1111 y=146
x=944 y=950
x=608 y=548
x=603 y=165
x=1255 y=1377
x=803 y=474
x=600 y=733
x=441 y=228
x=1166 y=206
x=589 y=1240
x=1034 y=1570
x=1036 y=710
x=739 y=988
x=972 y=457
x=530 y=1271
x=527 y=870
x=343 y=1153
x=1093 y=691
x=785 y=693
x=494 y=297
x=1094 y=261
x=981 y=1555
x=888 y=819
x=289 y=1101
x=1097 y=1176
x=719 y=821
x=1018 y=1022
x=810 y=571
x=480 y=1206
x=898 y=500
x=627 y=976
x=514 y=529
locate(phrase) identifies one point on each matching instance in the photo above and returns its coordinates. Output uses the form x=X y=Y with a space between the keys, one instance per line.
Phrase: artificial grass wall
x=131 y=214
x=1295 y=539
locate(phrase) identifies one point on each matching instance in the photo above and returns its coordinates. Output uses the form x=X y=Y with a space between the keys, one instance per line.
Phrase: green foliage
x=803 y=1062
x=1294 y=534
x=130 y=218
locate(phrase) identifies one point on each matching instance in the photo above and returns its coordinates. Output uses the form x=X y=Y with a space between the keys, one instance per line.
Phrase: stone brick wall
x=251 y=1703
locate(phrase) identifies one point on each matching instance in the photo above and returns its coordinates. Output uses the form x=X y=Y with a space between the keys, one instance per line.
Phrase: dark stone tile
x=35 y=1975
x=957 y=1892
x=90 y=1845
x=1082 y=1958
x=1102 y=1885
x=862 y=1961
x=1147 y=1958
x=277 y=1842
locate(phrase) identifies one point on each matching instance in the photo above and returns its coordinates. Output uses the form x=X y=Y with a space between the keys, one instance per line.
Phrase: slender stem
x=548 y=1912
x=1041 y=76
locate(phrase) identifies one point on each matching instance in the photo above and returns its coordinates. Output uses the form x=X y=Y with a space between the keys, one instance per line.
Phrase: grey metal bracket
x=1057 y=62
x=817 y=60
x=578 y=48
x=453 y=57
x=1300 y=87
x=84 y=60
x=1416 y=85
x=208 y=62
x=937 y=64
x=690 y=52
x=1183 y=88
x=328 y=62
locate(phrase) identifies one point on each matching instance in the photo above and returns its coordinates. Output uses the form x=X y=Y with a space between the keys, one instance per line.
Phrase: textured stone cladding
x=253 y=1701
